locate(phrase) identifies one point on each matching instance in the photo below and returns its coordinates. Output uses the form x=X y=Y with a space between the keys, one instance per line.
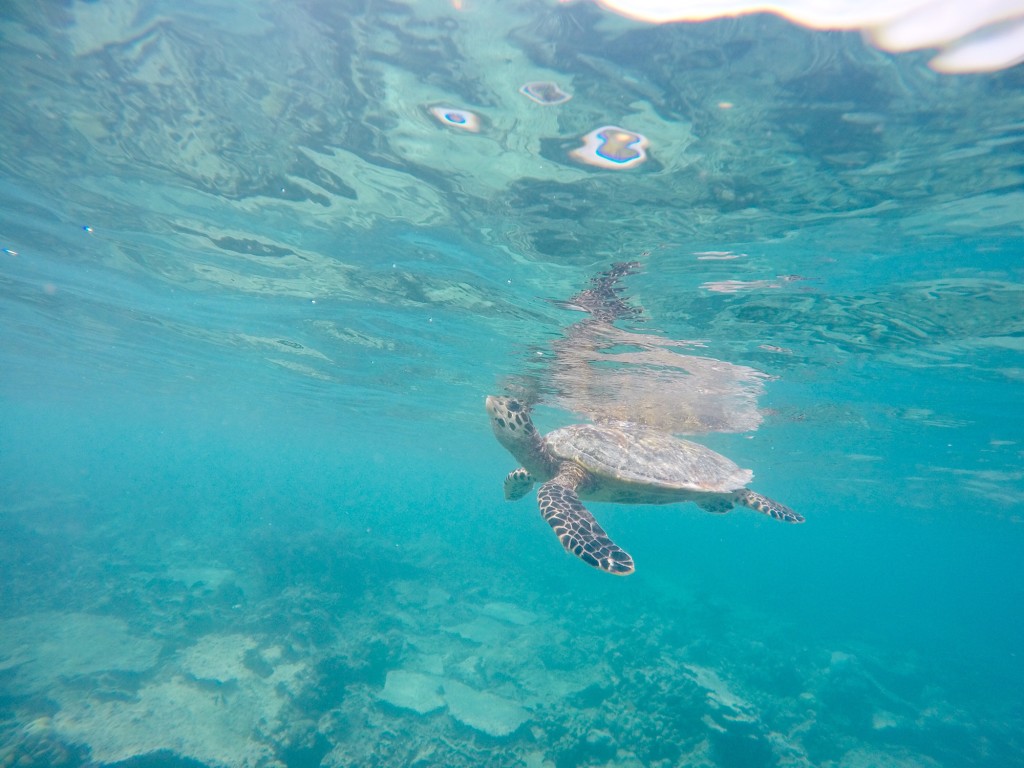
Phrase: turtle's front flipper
x=579 y=532
x=518 y=483
x=766 y=506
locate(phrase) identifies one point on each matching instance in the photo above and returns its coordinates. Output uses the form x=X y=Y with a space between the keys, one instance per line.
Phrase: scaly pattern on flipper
x=579 y=532
x=766 y=506
x=518 y=483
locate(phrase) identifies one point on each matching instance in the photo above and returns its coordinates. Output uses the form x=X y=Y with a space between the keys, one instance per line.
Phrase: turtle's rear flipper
x=766 y=506
x=579 y=532
x=518 y=483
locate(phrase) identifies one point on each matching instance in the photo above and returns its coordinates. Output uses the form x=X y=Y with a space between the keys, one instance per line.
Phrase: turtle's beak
x=495 y=405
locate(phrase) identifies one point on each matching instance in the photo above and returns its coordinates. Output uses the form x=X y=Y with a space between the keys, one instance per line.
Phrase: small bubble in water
x=462 y=119
x=545 y=93
x=87 y=228
x=612 y=147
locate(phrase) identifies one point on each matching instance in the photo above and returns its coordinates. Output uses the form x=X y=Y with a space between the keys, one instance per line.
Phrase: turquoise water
x=255 y=292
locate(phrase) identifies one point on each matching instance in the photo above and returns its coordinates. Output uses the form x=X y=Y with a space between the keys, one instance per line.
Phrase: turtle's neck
x=534 y=454
x=530 y=450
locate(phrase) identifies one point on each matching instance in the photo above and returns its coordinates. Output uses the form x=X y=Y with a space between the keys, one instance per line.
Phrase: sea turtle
x=619 y=463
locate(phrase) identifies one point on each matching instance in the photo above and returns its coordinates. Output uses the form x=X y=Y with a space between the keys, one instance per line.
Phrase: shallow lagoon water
x=254 y=294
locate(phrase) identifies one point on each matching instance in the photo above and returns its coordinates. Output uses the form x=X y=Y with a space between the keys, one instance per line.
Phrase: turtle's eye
x=514 y=406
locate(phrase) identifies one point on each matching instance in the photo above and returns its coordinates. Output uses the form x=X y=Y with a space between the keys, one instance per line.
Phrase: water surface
x=255 y=291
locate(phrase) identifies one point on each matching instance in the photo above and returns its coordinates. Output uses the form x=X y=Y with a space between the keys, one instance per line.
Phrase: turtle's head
x=510 y=420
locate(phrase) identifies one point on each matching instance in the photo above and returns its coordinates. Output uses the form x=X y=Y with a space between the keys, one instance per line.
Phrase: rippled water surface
x=263 y=261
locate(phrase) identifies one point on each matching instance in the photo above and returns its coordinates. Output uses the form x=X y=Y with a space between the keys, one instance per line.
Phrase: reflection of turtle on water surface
x=605 y=369
x=619 y=464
